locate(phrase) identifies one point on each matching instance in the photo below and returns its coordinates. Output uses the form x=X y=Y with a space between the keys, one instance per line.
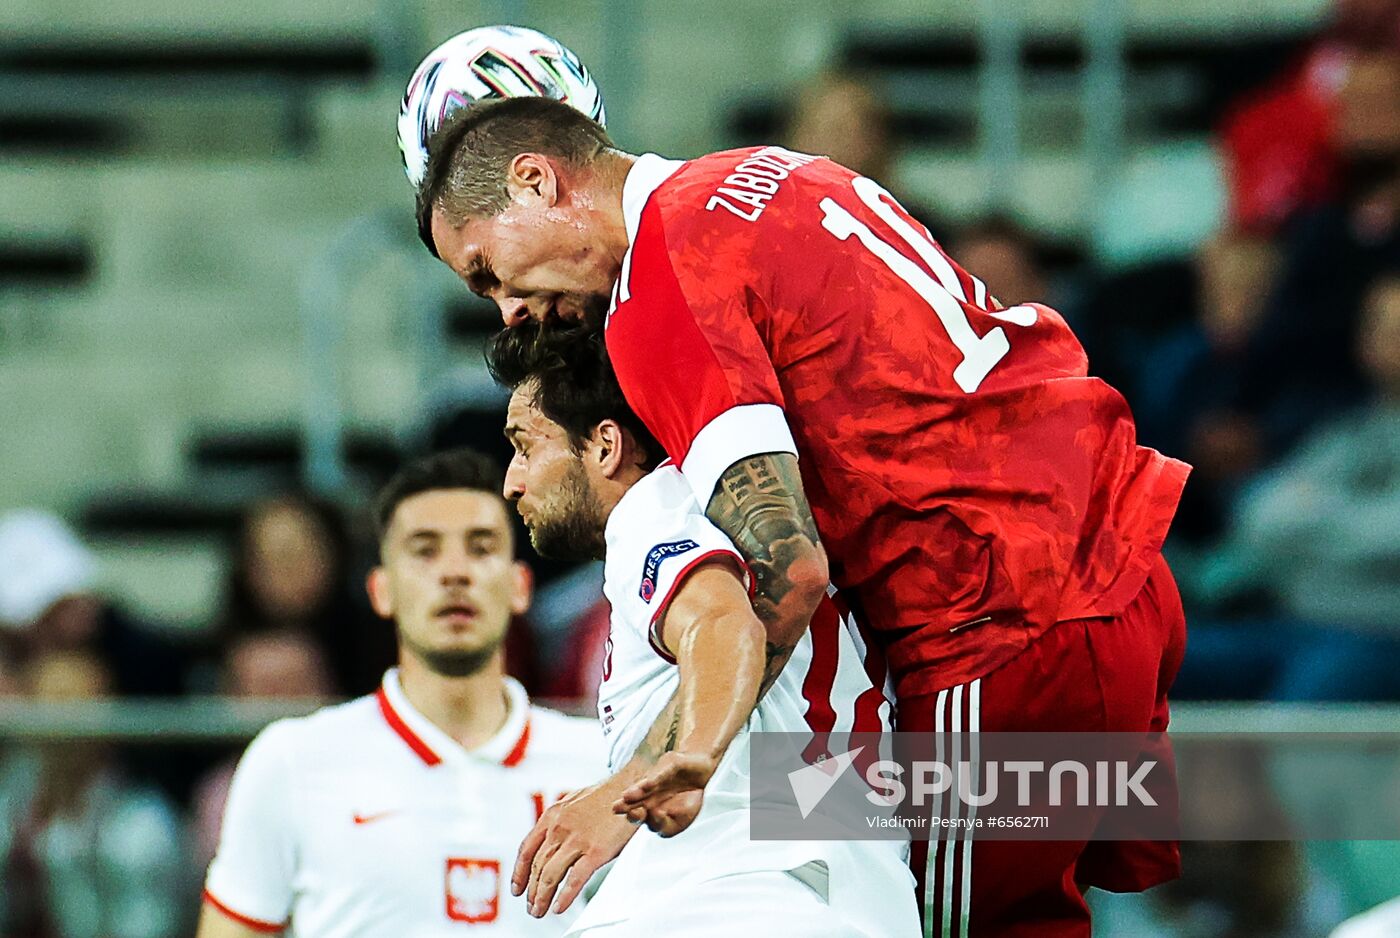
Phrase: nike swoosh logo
x=371 y=818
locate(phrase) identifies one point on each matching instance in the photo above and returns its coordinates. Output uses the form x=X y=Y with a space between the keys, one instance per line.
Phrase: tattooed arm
x=759 y=503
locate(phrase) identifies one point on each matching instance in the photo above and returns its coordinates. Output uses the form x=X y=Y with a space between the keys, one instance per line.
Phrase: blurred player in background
x=399 y=813
x=682 y=673
x=985 y=502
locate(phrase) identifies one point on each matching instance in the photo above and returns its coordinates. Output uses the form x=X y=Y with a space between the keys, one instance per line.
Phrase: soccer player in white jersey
x=684 y=666
x=399 y=814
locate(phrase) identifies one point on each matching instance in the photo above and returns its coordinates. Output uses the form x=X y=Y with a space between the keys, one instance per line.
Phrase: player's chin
x=460 y=659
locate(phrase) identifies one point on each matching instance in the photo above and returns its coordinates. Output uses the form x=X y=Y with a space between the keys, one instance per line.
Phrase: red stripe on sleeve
x=255 y=924
x=654 y=628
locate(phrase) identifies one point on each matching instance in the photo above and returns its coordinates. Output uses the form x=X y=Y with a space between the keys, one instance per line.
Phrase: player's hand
x=568 y=844
x=669 y=797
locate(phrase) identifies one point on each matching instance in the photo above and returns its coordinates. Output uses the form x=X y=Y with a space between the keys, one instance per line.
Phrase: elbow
x=805 y=581
x=810 y=575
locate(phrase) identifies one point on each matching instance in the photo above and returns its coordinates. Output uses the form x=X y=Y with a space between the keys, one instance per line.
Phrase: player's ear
x=522 y=589
x=380 y=596
x=534 y=176
x=609 y=448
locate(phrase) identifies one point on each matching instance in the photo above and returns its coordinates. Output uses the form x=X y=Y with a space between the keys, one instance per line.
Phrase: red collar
x=426 y=752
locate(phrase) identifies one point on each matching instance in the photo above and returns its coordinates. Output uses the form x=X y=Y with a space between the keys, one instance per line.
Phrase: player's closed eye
x=422 y=547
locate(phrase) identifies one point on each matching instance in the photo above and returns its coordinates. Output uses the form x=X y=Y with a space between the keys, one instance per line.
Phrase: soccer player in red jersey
x=982 y=497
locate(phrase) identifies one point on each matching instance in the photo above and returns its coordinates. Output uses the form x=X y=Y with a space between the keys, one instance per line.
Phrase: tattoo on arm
x=664 y=732
x=759 y=503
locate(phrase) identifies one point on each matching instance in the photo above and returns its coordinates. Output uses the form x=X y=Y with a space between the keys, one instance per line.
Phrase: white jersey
x=365 y=819
x=656 y=535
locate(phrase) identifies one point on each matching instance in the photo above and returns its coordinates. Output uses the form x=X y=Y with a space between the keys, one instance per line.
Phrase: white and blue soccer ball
x=483 y=64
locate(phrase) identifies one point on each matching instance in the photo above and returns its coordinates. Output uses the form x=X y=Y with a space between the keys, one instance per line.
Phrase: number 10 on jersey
x=980 y=354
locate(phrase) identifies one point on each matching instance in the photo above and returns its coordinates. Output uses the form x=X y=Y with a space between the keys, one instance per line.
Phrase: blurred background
x=218 y=334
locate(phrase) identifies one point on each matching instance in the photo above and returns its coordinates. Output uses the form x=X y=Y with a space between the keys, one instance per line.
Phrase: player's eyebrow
x=478 y=274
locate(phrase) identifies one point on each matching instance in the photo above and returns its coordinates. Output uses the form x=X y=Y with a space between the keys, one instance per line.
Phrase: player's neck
x=611 y=169
x=469 y=709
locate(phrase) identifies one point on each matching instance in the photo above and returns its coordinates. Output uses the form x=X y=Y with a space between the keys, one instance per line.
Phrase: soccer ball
x=482 y=64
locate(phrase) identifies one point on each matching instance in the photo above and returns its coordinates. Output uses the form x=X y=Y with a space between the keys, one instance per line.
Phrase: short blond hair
x=470 y=154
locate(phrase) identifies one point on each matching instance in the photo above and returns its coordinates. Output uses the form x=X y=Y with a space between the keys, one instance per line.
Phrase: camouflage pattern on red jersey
x=971 y=490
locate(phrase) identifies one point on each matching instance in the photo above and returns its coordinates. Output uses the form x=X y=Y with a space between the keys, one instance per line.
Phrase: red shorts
x=1083 y=675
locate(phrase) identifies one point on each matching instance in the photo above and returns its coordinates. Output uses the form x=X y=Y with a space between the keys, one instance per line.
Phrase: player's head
x=447 y=571
x=578 y=446
x=522 y=199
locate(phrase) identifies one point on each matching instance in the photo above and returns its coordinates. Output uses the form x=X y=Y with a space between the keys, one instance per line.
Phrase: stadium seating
x=172 y=172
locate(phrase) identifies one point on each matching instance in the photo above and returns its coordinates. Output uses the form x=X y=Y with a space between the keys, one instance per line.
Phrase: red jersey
x=971 y=483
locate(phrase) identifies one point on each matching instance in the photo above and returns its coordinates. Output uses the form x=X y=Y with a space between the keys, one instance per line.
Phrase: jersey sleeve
x=654 y=567
x=250 y=879
x=689 y=357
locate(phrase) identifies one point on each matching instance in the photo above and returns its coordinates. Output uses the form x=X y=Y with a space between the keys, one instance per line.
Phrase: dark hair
x=574 y=381
x=241 y=608
x=469 y=155
x=454 y=469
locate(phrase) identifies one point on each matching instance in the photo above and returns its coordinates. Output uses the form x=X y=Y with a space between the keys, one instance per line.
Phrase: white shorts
x=761 y=904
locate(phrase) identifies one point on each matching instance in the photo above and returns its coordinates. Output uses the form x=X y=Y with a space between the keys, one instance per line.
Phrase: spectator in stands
x=51 y=600
x=87 y=853
x=1286 y=145
x=1185 y=387
x=1299 y=368
x=1005 y=256
x=264 y=666
x=1320 y=534
x=840 y=116
x=293 y=572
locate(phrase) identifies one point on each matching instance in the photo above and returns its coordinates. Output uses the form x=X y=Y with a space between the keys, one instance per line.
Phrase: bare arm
x=759 y=503
x=580 y=833
x=720 y=649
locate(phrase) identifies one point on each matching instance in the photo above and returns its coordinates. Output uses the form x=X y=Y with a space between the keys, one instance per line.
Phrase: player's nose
x=514 y=311
x=514 y=486
x=456 y=568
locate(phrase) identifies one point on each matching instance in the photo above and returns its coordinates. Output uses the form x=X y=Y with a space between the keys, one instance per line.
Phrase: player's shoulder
x=653 y=536
x=721 y=163
x=658 y=507
x=693 y=187
x=327 y=730
x=663 y=490
x=561 y=736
